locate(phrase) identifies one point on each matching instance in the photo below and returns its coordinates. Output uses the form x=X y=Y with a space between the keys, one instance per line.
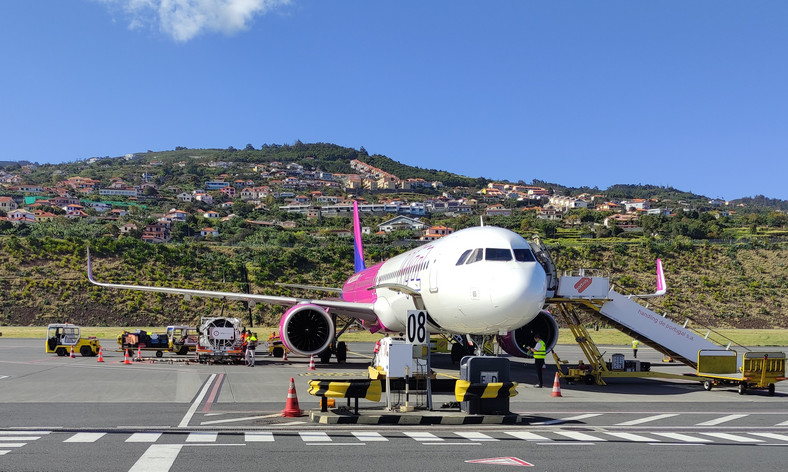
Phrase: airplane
x=475 y=283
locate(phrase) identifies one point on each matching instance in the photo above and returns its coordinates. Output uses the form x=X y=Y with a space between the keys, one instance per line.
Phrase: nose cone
x=517 y=294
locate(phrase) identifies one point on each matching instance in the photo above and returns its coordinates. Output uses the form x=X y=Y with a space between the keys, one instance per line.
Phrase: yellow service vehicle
x=182 y=339
x=62 y=337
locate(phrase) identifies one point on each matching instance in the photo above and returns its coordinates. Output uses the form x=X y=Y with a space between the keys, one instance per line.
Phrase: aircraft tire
x=341 y=352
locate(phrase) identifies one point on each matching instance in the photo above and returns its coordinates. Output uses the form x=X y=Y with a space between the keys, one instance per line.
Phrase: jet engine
x=516 y=342
x=306 y=329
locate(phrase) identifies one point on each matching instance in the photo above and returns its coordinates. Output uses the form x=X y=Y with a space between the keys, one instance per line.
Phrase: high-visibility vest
x=539 y=350
x=635 y=343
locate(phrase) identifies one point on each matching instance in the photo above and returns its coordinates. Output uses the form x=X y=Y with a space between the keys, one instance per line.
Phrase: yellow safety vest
x=635 y=344
x=539 y=350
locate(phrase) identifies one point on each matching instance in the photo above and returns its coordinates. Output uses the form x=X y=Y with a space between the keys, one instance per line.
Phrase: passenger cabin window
x=524 y=255
x=496 y=254
x=462 y=258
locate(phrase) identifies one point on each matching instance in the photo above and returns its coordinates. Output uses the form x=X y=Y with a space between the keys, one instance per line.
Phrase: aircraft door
x=434 y=273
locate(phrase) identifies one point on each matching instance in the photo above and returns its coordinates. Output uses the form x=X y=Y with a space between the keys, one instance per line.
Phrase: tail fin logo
x=358 y=249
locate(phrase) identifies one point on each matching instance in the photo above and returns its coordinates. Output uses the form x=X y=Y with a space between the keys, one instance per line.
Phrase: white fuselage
x=481 y=280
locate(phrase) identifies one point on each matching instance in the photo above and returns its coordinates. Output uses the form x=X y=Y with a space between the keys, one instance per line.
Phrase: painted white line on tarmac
x=368 y=436
x=526 y=436
x=196 y=403
x=259 y=437
x=85 y=437
x=571 y=418
x=158 y=458
x=143 y=438
x=732 y=437
x=233 y=420
x=721 y=420
x=647 y=419
x=201 y=436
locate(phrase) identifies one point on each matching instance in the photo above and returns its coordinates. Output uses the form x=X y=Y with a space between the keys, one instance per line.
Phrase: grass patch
x=612 y=337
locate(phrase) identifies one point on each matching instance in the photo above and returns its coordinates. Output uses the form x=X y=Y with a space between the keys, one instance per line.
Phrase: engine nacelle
x=516 y=342
x=306 y=329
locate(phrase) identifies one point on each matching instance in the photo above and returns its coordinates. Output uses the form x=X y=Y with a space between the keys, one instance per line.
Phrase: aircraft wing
x=363 y=311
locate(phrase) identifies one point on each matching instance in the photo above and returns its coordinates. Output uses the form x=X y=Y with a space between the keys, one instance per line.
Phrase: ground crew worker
x=635 y=344
x=540 y=352
x=251 y=340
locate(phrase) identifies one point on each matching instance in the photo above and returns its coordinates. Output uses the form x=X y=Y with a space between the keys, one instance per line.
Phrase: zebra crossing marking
x=723 y=419
x=647 y=419
x=85 y=438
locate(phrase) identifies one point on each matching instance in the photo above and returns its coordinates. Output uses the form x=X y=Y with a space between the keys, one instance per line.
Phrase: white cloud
x=185 y=19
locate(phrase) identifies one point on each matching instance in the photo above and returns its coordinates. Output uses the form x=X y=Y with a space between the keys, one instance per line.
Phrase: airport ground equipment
x=276 y=347
x=141 y=340
x=352 y=388
x=761 y=370
x=220 y=340
x=62 y=337
x=590 y=292
x=484 y=386
x=182 y=339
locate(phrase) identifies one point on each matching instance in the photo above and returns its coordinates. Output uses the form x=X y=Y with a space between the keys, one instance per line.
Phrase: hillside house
x=435 y=232
x=401 y=223
x=8 y=204
x=209 y=232
x=156 y=233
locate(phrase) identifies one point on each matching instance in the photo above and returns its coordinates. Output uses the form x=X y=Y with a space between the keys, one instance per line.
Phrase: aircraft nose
x=521 y=288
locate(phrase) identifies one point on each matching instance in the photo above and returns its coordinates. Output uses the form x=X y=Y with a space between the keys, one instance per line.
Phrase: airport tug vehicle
x=63 y=337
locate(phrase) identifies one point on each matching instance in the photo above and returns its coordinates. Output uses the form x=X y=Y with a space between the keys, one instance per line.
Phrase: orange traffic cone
x=556 y=387
x=312 y=362
x=291 y=407
x=101 y=356
x=139 y=354
x=72 y=352
x=126 y=358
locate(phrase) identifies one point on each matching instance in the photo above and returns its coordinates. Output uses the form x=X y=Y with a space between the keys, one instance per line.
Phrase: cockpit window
x=464 y=256
x=476 y=256
x=496 y=254
x=524 y=255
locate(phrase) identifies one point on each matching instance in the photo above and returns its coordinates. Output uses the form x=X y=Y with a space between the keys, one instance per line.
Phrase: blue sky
x=689 y=94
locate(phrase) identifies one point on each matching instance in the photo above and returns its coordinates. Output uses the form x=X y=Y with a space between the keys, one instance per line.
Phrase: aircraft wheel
x=341 y=352
x=457 y=353
x=771 y=390
x=742 y=388
x=325 y=356
x=61 y=351
x=707 y=384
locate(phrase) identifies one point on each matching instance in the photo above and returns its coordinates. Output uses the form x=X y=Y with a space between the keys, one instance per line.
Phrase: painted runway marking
x=143 y=438
x=474 y=436
x=779 y=437
x=259 y=437
x=571 y=418
x=188 y=417
x=647 y=419
x=526 y=436
x=214 y=392
x=158 y=458
x=314 y=436
x=85 y=437
x=368 y=436
x=721 y=420
x=235 y=420
x=632 y=437
x=683 y=437
x=579 y=436
x=422 y=436
x=201 y=436
x=732 y=437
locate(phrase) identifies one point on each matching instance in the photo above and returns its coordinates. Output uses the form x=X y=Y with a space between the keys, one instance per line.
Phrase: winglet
x=358 y=249
x=662 y=287
x=90 y=268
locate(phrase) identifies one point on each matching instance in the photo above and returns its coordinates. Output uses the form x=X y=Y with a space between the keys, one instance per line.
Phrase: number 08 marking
x=417 y=327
